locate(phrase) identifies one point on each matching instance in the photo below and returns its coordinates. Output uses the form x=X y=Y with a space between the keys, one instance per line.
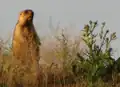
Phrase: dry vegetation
x=64 y=64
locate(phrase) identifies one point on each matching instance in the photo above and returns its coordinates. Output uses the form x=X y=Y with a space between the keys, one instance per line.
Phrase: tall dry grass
x=51 y=74
x=58 y=55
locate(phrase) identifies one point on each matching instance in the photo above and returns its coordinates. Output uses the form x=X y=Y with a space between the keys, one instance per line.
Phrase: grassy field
x=79 y=62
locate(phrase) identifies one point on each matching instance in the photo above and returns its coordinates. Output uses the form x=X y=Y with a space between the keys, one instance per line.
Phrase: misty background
x=70 y=13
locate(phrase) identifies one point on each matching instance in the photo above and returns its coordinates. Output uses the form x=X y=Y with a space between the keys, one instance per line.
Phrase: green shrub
x=97 y=59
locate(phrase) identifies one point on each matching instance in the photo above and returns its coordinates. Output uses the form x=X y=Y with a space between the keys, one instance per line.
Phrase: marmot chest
x=23 y=35
x=23 y=38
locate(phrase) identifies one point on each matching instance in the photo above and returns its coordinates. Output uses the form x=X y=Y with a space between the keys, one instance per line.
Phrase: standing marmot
x=25 y=47
x=24 y=35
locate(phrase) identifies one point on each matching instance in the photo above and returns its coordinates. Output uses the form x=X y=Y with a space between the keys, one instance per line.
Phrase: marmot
x=25 y=35
x=25 y=47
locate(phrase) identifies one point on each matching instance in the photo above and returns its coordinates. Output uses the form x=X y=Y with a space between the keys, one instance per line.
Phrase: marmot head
x=26 y=17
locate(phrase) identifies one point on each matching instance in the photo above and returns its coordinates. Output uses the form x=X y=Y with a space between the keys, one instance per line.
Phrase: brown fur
x=25 y=47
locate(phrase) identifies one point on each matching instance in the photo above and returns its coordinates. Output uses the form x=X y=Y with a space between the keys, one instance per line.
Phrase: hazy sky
x=75 y=12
